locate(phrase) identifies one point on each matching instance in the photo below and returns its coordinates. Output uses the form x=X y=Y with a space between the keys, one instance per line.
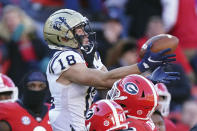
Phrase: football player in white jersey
x=71 y=81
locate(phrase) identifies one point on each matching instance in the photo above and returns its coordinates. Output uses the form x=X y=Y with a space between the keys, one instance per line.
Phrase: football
x=160 y=42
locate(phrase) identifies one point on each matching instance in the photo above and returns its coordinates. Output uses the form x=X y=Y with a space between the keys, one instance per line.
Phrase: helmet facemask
x=164 y=99
x=164 y=104
x=114 y=93
x=12 y=92
x=7 y=88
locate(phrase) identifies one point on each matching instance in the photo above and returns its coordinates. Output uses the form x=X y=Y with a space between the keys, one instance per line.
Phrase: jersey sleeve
x=62 y=61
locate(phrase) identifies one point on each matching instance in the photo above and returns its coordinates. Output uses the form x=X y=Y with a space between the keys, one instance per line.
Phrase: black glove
x=159 y=76
x=153 y=60
x=88 y=53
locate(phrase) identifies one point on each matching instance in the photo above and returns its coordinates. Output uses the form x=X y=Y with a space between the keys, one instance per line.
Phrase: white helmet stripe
x=114 y=111
x=1 y=81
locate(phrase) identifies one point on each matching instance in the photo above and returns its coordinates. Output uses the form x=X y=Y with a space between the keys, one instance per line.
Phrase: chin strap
x=89 y=54
x=87 y=48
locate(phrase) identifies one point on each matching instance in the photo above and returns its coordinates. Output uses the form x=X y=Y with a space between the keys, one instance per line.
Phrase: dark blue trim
x=86 y=99
x=61 y=12
x=72 y=129
x=55 y=57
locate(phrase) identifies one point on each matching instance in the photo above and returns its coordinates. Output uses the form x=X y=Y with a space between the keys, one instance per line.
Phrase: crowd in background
x=122 y=26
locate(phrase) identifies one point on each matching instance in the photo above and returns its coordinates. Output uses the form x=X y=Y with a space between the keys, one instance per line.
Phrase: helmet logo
x=89 y=114
x=131 y=88
x=58 y=22
x=106 y=123
x=139 y=112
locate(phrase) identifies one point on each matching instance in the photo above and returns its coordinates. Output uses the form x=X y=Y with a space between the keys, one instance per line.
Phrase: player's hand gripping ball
x=160 y=42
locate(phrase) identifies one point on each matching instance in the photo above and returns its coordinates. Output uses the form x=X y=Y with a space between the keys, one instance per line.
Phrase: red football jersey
x=141 y=125
x=20 y=120
x=170 y=126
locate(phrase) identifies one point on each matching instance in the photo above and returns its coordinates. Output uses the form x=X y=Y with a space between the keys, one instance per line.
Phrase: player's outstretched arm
x=79 y=73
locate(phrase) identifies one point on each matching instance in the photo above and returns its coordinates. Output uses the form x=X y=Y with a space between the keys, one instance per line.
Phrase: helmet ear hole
x=97 y=109
x=58 y=38
x=143 y=95
x=123 y=105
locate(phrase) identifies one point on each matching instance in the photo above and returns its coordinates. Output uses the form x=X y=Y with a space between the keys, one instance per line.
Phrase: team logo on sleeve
x=89 y=114
x=131 y=88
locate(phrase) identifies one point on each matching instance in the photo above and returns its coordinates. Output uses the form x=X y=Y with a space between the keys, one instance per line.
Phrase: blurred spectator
x=193 y=62
x=3 y=58
x=116 y=9
x=158 y=120
x=189 y=116
x=122 y=54
x=140 y=12
x=8 y=2
x=179 y=89
x=29 y=113
x=93 y=9
x=40 y=10
x=180 y=19
x=8 y=90
x=194 y=128
x=154 y=27
x=112 y=29
x=25 y=51
x=181 y=22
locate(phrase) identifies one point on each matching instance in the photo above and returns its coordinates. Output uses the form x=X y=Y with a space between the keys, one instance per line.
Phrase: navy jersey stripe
x=86 y=99
x=53 y=60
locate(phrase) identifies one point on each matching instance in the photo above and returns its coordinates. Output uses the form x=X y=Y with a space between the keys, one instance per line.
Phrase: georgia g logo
x=89 y=114
x=131 y=88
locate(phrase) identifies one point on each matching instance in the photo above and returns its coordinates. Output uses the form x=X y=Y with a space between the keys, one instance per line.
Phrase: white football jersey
x=70 y=101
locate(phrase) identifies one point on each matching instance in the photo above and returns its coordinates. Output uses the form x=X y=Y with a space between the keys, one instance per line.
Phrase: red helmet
x=136 y=95
x=105 y=115
x=7 y=85
x=164 y=99
x=141 y=125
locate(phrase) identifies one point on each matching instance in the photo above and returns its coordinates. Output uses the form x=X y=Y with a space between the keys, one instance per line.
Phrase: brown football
x=160 y=42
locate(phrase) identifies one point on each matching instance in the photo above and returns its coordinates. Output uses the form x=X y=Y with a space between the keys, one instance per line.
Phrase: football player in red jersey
x=105 y=115
x=8 y=90
x=138 y=98
x=164 y=105
x=28 y=113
